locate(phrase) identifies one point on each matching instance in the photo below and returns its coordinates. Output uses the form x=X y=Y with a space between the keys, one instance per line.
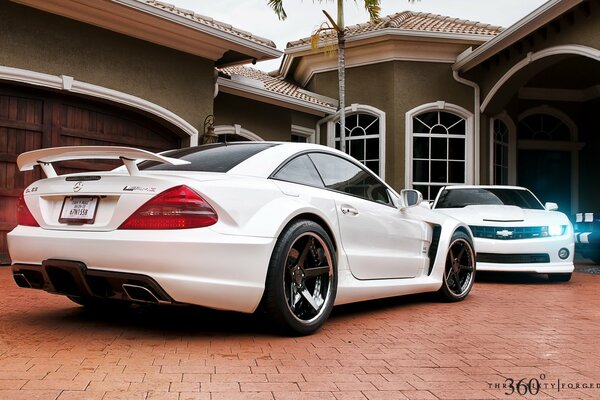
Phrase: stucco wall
x=43 y=42
x=395 y=88
x=265 y=120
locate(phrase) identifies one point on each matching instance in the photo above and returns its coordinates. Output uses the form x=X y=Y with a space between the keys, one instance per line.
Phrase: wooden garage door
x=31 y=119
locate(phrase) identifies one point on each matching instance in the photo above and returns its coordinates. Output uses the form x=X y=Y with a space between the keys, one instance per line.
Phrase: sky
x=304 y=16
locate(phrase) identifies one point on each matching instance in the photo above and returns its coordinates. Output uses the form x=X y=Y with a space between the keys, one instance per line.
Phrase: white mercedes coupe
x=293 y=228
x=513 y=231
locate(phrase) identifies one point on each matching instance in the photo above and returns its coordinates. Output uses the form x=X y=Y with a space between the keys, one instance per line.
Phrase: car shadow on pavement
x=149 y=321
x=159 y=320
x=513 y=278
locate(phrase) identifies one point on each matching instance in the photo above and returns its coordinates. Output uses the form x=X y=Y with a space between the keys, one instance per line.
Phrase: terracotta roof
x=276 y=84
x=418 y=21
x=207 y=21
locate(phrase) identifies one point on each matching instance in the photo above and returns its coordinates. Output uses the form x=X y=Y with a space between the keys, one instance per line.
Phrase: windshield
x=459 y=198
x=218 y=157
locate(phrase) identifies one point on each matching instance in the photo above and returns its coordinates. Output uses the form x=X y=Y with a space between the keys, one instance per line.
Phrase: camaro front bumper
x=193 y=266
x=539 y=255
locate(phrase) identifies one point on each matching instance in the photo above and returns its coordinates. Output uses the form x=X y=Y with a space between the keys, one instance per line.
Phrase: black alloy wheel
x=459 y=271
x=302 y=279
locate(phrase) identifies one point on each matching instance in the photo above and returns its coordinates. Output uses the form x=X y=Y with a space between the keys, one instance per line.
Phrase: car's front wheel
x=302 y=278
x=459 y=271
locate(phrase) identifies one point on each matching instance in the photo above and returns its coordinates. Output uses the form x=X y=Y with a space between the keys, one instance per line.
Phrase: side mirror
x=549 y=206
x=411 y=197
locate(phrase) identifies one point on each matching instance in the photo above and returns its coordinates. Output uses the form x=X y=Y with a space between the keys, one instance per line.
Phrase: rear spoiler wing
x=45 y=157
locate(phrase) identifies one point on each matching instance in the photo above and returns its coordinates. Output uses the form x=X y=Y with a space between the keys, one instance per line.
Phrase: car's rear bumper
x=527 y=255
x=194 y=266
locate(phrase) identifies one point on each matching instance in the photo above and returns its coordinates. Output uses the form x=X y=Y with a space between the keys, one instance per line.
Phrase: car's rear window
x=458 y=198
x=218 y=157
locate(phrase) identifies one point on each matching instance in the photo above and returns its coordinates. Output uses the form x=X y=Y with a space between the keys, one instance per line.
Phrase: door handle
x=348 y=210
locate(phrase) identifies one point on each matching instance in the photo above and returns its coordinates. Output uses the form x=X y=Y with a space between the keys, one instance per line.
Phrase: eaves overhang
x=527 y=25
x=147 y=22
x=355 y=40
x=266 y=96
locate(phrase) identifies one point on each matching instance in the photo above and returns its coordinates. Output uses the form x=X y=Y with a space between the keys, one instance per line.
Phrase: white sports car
x=293 y=227
x=513 y=231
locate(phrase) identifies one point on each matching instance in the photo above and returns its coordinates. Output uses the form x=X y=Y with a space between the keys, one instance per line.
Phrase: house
x=432 y=100
x=463 y=102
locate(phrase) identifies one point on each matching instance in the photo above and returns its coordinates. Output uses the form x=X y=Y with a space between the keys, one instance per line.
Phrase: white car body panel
x=224 y=266
x=392 y=240
x=506 y=218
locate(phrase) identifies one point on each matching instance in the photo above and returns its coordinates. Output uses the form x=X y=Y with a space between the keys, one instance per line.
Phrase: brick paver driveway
x=509 y=329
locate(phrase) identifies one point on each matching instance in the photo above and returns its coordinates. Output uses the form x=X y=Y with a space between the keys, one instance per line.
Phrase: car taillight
x=24 y=216
x=176 y=208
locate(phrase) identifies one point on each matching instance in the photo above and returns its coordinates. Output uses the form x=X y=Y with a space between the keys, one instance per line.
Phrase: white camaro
x=513 y=231
x=293 y=227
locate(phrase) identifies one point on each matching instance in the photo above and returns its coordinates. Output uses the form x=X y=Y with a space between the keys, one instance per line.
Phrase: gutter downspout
x=476 y=122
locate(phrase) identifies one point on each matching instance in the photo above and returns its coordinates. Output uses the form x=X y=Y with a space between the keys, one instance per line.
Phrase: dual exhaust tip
x=133 y=292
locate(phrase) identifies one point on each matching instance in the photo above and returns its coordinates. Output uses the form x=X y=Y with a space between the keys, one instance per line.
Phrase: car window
x=300 y=170
x=344 y=176
x=218 y=157
x=458 y=198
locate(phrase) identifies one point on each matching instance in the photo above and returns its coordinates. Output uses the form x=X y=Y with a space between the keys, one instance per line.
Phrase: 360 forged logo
x=533 y=386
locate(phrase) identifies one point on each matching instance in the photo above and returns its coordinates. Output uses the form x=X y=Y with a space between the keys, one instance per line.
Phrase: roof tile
x=277 y=84
x=417 y=21
x=209 y=22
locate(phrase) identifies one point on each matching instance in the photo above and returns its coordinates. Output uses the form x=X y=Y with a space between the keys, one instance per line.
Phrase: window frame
x=330 y=121
x=391 y=193
x=439 y=106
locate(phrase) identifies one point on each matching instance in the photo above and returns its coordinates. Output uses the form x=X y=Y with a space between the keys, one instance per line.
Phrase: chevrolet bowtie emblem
x=504 y=233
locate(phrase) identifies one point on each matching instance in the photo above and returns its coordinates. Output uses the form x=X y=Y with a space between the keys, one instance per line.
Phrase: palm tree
x=373 y=8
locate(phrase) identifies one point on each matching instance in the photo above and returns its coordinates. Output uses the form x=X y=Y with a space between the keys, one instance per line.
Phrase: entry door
x=548 y=175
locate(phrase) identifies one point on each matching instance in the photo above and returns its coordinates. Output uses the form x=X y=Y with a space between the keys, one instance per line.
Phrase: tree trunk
x=342 y=87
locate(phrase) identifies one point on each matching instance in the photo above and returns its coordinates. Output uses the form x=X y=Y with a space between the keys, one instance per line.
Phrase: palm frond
x=373 y=7
x=277 y=6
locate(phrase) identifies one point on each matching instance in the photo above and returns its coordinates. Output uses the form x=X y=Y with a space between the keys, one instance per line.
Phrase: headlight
x=556 y=230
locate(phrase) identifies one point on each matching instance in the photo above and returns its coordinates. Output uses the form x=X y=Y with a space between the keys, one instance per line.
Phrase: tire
x=301 y=281
x=459 y=269
x=559 y=277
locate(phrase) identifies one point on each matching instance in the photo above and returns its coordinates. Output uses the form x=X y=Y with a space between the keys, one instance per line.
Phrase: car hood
x=505 y=216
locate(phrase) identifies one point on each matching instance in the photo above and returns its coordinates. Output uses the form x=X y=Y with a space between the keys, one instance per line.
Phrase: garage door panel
x=32 y=119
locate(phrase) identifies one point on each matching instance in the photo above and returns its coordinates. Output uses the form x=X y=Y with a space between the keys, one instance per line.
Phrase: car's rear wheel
x=559 y=277
x=302 y=278
x=459 y=271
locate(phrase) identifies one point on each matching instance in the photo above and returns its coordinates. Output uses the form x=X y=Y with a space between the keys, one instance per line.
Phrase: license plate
x=78 y=210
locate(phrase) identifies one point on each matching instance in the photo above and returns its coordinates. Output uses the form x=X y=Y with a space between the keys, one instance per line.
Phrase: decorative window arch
x=559 y=127
x=503 y=150
x=439 y=147
x=237 y=132
x=365 y=135
x=547 y=128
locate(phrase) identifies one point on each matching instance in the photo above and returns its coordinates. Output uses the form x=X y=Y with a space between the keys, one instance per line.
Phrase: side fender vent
x=433 y=247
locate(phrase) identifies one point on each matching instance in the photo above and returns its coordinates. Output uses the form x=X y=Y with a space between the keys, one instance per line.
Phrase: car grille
x=534 y=258
x=508 y=232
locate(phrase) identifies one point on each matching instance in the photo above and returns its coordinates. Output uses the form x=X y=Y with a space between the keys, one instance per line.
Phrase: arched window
x=364 y=135
x=543 y=126
x=501 y=152
x=438 y=148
